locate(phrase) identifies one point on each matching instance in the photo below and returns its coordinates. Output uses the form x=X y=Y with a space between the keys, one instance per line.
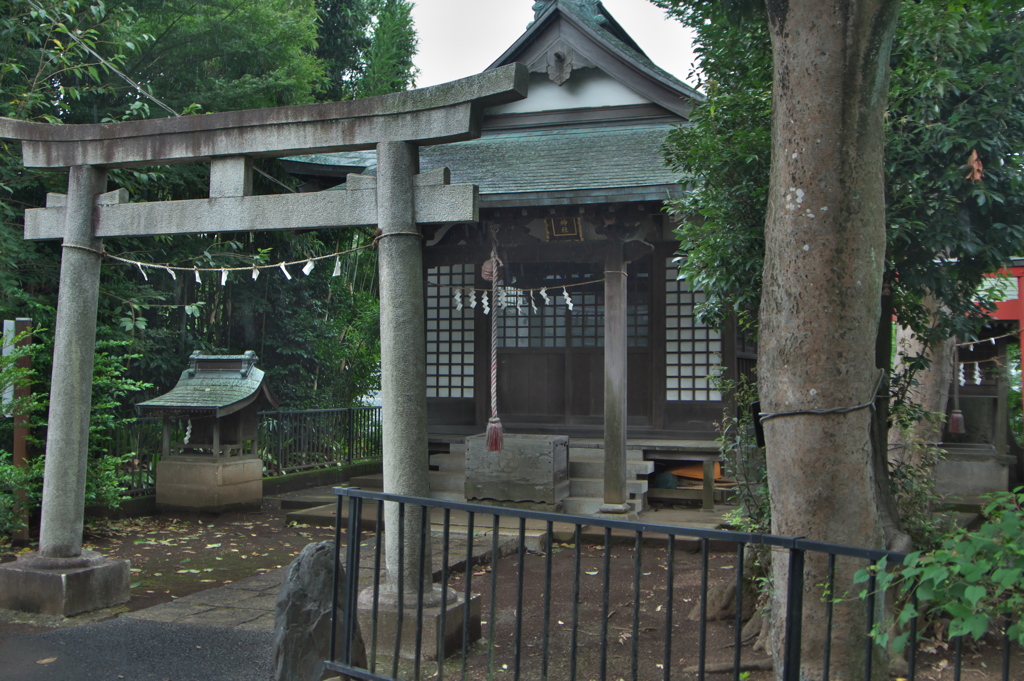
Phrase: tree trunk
x=825 y=253
x=889 y=518
x=931 y=392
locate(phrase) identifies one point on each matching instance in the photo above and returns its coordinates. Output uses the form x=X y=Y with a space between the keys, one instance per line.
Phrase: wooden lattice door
x=551 y=357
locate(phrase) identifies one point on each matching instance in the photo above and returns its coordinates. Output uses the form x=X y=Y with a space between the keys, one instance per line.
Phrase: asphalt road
x=137 y=650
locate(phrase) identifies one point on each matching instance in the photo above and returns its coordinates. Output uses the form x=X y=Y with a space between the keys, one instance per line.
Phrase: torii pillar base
x=64 y=586
x=432 y=640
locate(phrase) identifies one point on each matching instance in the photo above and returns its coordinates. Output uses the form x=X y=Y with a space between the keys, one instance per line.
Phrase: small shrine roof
x=215 y=385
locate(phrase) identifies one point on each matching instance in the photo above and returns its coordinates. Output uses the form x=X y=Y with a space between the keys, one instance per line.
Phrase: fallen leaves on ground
x=174 y=556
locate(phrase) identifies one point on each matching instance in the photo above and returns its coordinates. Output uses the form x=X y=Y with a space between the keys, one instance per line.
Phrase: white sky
x=461 y=38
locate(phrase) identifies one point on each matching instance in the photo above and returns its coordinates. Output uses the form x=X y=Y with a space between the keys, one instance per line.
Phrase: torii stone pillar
x=404 y=403
x=394 y=124
x=62 y=579
x=67 y=438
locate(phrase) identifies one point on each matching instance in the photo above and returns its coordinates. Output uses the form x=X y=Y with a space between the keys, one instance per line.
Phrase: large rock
x=302 y=621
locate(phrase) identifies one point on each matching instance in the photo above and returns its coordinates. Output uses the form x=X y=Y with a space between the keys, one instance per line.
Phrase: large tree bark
x=889 y=518
x=931 y=391
x=825 y=252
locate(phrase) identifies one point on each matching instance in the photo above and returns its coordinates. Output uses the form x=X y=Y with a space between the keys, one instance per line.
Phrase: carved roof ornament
x=560 y=63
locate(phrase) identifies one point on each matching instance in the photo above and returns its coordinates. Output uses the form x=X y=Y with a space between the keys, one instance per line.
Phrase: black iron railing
x=139 y=444
x=289 y=441
x=292 y=441
x=570 y=634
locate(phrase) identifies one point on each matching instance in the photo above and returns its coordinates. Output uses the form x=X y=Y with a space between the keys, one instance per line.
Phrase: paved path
x=218 y=634
x=245 y=605
x=137 y=649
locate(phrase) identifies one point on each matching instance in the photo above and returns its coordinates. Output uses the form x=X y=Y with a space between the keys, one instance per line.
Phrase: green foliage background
x=957 y=86
x=316 y=335
x=211 y=56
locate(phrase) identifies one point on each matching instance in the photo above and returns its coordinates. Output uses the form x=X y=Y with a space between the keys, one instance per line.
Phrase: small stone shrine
x=216 y=466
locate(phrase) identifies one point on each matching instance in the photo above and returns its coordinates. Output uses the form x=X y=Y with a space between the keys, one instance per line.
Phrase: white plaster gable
x=587 y=88
x=579 y=57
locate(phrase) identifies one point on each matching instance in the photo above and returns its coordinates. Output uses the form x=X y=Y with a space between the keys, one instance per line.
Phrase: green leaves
x=45 y=59
x=974 y=580
x=973 y=594
x=226 y=55
x=366 y=46
x=723 y=156
x=954 y=106
x=957 y=87
x=975 y=624
x=388 y=65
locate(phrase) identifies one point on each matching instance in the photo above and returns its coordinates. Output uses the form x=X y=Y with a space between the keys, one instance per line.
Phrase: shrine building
x=570 y=179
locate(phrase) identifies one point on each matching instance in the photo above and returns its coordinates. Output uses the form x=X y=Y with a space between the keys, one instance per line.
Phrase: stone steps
x=586 y=474
x=592 y=506
x=594 y=487
x=448 y=463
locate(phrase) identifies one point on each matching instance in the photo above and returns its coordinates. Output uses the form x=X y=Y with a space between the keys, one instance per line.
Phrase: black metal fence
x=140 y=445
x=289 y=441
x=292 y=441
x=610 y=610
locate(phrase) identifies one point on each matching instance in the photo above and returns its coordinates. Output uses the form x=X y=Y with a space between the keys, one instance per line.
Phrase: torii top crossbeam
x=440 y=114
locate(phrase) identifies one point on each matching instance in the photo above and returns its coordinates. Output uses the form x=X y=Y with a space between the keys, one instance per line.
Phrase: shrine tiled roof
x=528 y=162
x=560 y=159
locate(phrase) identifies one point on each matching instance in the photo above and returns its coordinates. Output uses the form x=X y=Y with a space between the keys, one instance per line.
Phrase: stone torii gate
x=63 y=579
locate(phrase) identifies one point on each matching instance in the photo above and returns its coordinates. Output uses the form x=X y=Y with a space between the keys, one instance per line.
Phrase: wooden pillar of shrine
x=615 y=355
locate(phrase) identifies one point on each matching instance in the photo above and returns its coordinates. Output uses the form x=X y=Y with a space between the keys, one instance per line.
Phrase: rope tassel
x=495 y=436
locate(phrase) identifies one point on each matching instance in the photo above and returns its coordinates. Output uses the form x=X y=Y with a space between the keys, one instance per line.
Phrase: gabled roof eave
x=685 y=96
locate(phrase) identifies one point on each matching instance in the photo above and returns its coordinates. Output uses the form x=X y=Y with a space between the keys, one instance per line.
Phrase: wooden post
x=708 y=488
x=1001 y=427
x=20 y=448
x=615 y=355
x=165 y=445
